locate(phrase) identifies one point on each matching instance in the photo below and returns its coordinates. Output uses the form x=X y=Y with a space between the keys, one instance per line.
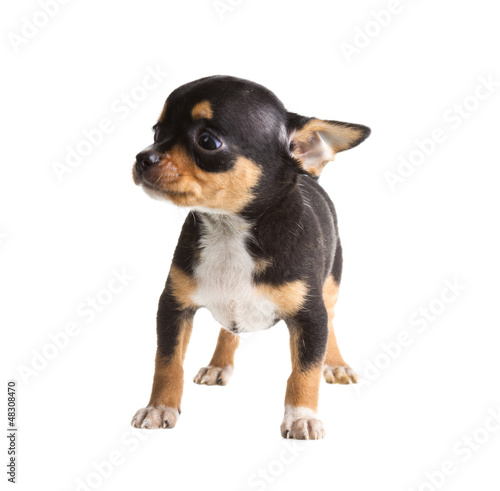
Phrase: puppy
x=261 y=244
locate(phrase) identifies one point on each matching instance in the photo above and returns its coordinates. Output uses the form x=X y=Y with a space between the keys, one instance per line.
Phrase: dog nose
x=146 y=159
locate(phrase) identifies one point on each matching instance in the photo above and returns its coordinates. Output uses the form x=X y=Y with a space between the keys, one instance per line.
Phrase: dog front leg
x=221 y=366
x=308 y=339
x=174 y=325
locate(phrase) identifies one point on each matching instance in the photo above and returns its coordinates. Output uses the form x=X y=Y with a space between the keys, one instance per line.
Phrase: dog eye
x=208 y=142
x=157 y=131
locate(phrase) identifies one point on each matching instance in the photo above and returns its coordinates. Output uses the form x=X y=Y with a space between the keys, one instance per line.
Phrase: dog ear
x=314 y=142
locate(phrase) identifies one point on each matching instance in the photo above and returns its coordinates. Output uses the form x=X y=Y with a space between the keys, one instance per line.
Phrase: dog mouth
x=167 y=193
x=157 y=185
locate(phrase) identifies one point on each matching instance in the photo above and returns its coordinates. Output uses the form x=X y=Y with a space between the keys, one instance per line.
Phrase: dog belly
x=247 y=315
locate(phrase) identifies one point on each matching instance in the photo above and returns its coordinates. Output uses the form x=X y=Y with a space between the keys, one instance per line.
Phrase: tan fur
x=342 y=137
x=302 y=388
x=330 y=295
x=183 y=287
x=221 y=366
x=225 y=349
x=345 y=135
x=168 y=380
x=185 y=184
x=202 y=110
x=288 y=297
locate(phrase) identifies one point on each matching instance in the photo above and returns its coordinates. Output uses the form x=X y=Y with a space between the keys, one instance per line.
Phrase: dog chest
x=224 y=276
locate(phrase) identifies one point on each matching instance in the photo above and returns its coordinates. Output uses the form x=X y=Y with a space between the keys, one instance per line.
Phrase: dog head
x=224 y=144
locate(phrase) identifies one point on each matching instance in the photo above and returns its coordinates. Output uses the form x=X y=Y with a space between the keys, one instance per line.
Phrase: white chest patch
x=224 y=276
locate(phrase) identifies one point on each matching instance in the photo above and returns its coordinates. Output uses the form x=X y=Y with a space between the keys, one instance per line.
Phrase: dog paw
x=301 y=424
x=214 y=375
x=340 y=375
x=153 y=417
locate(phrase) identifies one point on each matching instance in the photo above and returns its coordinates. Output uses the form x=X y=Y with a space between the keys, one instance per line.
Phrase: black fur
x=294 y=224
x=169 y=321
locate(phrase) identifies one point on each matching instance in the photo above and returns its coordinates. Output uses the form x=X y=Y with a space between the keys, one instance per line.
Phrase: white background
x=60 y=242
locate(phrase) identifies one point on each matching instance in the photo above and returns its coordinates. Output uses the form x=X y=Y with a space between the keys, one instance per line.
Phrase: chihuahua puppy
x=260 y=245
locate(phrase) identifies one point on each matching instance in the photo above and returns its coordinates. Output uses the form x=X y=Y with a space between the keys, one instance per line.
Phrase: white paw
x=153 y=417
x=301 y=423
x=214 y=375
x=340 y=375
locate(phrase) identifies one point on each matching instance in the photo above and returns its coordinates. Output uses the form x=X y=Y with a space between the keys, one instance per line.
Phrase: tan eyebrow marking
x=202 y=110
